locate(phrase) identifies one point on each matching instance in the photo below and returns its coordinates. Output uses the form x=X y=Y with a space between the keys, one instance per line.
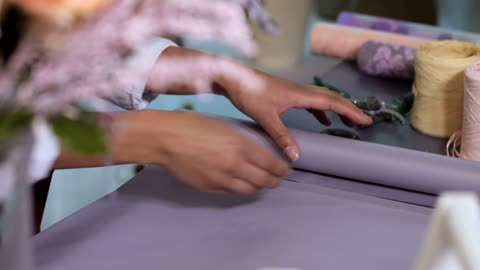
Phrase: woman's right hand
x=201 y=151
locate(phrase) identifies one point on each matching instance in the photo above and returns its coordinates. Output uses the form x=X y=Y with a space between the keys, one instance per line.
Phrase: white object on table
x=285 y=48
x=453 y=237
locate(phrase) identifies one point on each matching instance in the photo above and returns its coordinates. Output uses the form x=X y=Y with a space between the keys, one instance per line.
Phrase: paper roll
x=345 y=42
x=403 y=27
x=386 y=60
x=375 y=163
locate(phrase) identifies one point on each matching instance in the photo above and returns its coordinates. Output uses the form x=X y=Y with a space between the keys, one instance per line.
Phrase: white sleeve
x=135 y=97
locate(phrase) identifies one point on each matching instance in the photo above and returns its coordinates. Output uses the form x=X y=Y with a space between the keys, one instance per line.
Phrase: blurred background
x=286 y=54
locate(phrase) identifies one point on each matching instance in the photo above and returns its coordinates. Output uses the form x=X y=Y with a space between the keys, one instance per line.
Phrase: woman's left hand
x=277 y=96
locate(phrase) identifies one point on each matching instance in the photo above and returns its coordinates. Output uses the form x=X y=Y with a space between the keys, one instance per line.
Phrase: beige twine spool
x=439 y=86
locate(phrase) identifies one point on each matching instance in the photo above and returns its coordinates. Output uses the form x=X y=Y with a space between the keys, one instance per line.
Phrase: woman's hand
x=277 y=96
x=201 y=151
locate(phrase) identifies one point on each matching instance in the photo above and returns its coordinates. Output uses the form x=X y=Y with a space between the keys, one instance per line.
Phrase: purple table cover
x=154 y=222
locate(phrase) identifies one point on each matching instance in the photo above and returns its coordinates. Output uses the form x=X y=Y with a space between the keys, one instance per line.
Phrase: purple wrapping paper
x=364 y=188
x=379 y=164
x=156 y=223
x=403 y=27
x=386 y=60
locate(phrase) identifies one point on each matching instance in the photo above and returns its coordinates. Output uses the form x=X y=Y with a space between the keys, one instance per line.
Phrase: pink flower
x=61 y=11
x=90 y=59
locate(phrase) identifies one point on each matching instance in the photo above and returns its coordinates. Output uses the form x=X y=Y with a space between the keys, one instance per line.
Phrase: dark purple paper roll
x=376 y=163
x=403 y=27
x=386 y=60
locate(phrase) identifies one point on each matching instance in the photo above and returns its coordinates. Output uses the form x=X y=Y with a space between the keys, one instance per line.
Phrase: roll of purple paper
x=403 y=27
x=375 y=163
x=386 y=60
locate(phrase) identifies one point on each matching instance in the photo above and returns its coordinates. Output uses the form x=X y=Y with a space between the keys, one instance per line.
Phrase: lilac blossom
x=89 y=58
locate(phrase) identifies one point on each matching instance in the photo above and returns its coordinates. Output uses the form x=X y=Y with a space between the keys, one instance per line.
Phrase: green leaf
x=319 y=82
x=188 y=106
x=82 y=135
x=13 y=122
x=404 y=104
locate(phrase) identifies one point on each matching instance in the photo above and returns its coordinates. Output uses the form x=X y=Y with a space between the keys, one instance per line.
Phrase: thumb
x=281 y=136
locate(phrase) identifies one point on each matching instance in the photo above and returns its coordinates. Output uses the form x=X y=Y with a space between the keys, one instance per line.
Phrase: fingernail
x=291 y=153
x=368 y=118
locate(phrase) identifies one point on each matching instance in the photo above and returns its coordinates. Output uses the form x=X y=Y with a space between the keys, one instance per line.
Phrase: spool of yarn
x=466 y=143
x=404 y=27
x=386 y=60
x=439 y=86
x=345 y=42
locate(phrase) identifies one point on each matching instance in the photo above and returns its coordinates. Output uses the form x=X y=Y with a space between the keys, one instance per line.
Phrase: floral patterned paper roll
x=345 y=42
x=404 y=27
x=386 y=60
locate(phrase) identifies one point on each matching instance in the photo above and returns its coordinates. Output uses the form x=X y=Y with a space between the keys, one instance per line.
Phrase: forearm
x=69 y=159
x=180 y=71
x=129 y=142
x=178 y=82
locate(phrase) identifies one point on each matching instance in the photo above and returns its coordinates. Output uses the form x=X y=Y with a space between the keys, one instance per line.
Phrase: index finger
x=336 y=103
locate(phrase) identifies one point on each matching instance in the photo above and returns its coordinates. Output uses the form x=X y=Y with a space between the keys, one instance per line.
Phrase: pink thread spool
x=345 y=42
x=466 y=143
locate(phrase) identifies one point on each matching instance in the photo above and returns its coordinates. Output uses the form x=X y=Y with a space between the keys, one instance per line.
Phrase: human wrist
x=233 y=77
x=131 y=138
